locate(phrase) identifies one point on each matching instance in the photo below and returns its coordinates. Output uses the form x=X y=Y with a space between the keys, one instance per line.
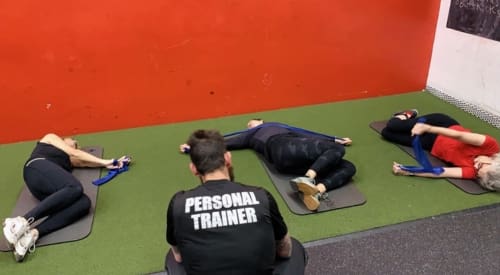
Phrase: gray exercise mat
x=345 y=196
x=72 y=232
x=468 y=186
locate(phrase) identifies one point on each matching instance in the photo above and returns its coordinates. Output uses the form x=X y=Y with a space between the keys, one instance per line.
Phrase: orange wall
x=82 y=66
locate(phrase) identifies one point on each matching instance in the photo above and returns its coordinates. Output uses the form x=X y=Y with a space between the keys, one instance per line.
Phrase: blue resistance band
x=113 y=172
x=276 y=124
x=421 y=156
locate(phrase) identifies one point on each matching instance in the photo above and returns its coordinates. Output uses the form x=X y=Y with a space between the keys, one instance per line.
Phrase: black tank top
x=51 y=153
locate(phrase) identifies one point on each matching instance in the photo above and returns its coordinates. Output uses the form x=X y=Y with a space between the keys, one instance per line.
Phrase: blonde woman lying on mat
x=471 y=155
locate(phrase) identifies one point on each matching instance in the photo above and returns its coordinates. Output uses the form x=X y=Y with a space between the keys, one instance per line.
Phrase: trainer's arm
x=177 y=254
x=170 y=235
x=281 y=235
x=465 y=137
x=284 y=247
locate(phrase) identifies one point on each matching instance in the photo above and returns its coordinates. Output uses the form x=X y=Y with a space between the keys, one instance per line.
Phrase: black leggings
x=399 y=131
x=61 y=195
x=295 y=155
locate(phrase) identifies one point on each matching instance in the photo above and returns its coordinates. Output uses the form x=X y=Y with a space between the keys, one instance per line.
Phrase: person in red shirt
x=470 y=155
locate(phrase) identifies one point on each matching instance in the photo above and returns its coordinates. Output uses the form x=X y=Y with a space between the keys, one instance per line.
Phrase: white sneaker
x=24 y=244
x=14 y=228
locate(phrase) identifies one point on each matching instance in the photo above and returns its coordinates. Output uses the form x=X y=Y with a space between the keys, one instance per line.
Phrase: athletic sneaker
x=407 y=113
x=310 y=192
x=14 y=228
x=24 y=244
x=294 y=182
x=313 y=202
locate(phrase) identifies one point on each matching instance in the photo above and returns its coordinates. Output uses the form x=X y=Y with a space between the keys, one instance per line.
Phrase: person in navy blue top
x=298 y=151
x=47 y=174
x=225 y=227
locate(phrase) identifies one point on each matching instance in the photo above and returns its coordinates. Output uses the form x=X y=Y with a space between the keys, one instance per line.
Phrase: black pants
x=61 y=195
x=294 y=154
x=399 y=131
x=295 y=265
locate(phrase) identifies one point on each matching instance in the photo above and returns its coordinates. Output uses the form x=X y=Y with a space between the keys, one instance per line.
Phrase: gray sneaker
x=294 y=183
x=310 y=192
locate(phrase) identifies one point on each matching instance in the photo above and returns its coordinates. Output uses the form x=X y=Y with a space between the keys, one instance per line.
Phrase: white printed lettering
x=217 y=202
x=196 y=221
x=188 y=204
x=197 y=204
x=224 y=218
x=231 y=210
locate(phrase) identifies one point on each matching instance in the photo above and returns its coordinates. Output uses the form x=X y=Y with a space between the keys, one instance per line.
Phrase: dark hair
x=207 y=150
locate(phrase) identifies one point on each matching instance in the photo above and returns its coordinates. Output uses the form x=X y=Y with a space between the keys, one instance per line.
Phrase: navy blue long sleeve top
x=257 y=138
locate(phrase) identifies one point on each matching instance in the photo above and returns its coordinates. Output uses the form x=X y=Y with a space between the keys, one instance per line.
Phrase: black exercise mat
x=72 y=232
x=468 y=186
x=295 y=267
x=345 y=196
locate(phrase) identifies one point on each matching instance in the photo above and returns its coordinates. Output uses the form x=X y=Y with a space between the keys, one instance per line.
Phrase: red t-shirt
x=461 y=154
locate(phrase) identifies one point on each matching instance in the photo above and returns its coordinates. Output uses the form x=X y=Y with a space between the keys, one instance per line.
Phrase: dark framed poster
x=478 y=17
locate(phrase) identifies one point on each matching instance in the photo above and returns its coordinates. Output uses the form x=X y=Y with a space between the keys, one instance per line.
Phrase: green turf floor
x=128 y=235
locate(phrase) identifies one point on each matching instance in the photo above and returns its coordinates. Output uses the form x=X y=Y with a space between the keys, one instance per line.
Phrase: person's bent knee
x=85 y=204
x=385 y=133
x=340 y=150
x=350 y=169
x=76 y=189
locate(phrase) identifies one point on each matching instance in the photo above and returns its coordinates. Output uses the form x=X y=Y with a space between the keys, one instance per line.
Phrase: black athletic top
x=258 y=137
x=51 y=153
x=223 y=227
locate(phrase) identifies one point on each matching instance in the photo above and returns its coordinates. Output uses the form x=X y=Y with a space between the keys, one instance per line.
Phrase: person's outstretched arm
x=78 y=157
x=344 y=141
x=449 y=172
x=465 y=137
x=236 y=142
x=239 y=141
x=308 y=133
x=170 y=233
